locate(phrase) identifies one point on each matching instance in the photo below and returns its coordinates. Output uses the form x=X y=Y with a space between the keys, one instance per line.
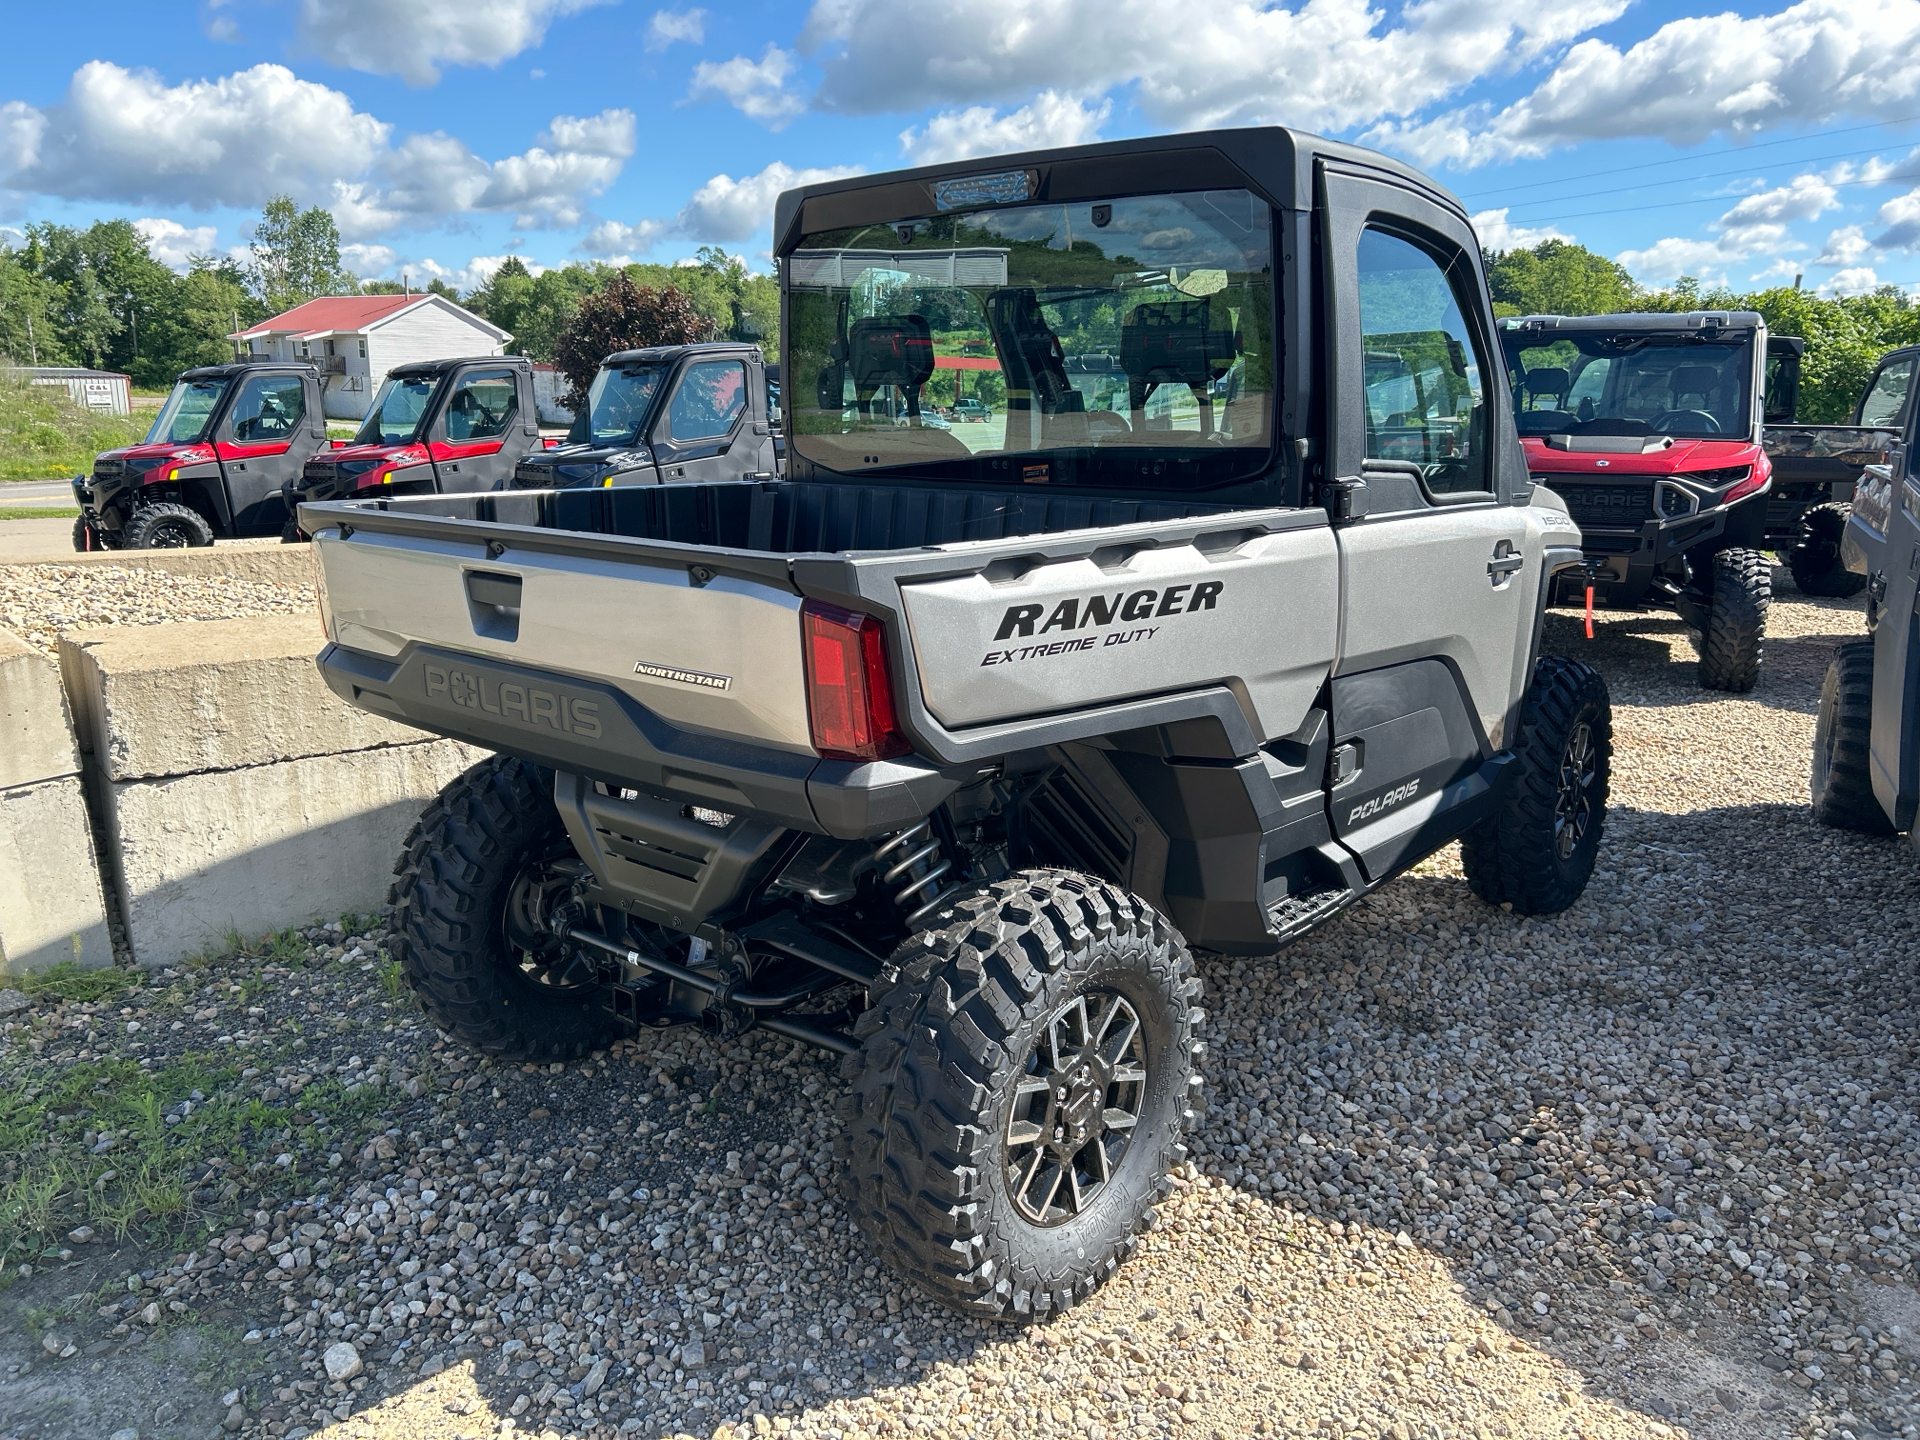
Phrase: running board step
x=1297 y=914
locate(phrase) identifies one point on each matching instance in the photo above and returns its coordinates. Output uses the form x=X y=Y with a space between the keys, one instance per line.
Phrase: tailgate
x=721 y=657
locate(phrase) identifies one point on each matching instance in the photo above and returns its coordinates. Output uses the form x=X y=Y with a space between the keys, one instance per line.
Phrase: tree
x=1557 y=277
x=205 y=304
x=739 y=304
x=296 y=255
x=84 y=322
x=28 y=334
x=534 y=309
x=622 y=316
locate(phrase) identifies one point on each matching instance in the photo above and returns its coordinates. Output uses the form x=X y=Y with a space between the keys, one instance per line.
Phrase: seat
x=894 y=350
x=1551 y=380
x=1174 y=342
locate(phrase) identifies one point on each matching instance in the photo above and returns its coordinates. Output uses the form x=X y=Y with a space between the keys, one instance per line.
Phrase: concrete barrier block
x=51 y=907
x=277 y=564
x=254 y=850
x=157 y=700
x=36 y=733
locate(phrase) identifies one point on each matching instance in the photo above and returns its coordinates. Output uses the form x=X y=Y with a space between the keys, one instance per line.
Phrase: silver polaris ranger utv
x=949 y=751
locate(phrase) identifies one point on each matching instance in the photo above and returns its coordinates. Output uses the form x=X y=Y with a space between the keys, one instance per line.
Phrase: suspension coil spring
x=911 y=859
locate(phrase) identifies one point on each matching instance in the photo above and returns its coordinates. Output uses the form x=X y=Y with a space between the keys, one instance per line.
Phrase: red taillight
x=849 y=697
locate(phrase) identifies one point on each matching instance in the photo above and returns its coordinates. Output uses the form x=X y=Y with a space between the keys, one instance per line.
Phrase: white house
x=356 y=339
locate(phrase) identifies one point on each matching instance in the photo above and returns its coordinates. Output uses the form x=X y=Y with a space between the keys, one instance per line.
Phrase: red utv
x=212 y=464
x=1649 y=427
x=436 y=427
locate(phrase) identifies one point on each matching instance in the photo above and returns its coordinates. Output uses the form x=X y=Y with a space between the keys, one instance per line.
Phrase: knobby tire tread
x=1842 y=781
x=1508 y=858
x=446 y=897
x=1815 y=560
x=1737 y=622
x=919 y=1114
x=148 y=518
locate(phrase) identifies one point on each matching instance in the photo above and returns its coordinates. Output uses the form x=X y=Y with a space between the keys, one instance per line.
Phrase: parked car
x=666 y=415
x=436 y=427
x=970 y=409
x=1649 y=426
x=945 y=761
x=1815 y=467
x=213 y=463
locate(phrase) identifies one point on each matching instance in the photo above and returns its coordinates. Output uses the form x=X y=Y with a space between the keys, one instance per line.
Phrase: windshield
x=1099 y=342
x=1631 y=383
x=188 y=411
x=617 y=406
x=397 y=411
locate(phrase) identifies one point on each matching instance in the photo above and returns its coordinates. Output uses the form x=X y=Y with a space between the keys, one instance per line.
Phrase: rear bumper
x=586 y=728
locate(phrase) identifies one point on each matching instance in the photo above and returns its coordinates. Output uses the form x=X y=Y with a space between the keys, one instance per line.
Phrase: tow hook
x=1590 y=568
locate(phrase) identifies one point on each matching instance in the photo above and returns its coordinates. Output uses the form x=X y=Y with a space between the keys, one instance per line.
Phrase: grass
x=67 y=981
x=51 y=512
x=45 y=436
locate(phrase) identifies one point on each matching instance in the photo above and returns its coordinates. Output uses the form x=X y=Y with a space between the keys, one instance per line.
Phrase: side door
x=262 y=443
x=702 y=431
x=468 y=439
x=1894 y=735
x=1441 y=560
x=1889 y=396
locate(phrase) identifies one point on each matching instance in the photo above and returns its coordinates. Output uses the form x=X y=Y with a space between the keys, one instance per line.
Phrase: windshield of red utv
x=1120 y=342
x=1631 y=383
x=184 y=417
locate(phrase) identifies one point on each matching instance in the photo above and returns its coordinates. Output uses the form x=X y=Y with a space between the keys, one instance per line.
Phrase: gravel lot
x=1648 y=1168
x=37 y=602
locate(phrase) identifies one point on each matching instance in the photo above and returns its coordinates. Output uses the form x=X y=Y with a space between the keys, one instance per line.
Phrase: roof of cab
x=237 y=367
x=1651 y=320
x=1278 y=162
x=662 y=354
x=454 y=362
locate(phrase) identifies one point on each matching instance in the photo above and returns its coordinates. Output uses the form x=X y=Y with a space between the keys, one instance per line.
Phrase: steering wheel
x=1687 y=420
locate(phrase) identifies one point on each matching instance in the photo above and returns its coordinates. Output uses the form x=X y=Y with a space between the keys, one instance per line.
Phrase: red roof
x=334 y=313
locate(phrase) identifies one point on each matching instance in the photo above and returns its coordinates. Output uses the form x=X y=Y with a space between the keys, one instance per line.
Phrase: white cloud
x=369 y=262
x=1858 y=281
x=1497 y=233
x=1756 y=225
x=672 y=27
x=1326 y=64
x=411 y=40
x=1844 y=246
x=127 y=136
x=723 y=209
x=1697 y=77
x=1051 y=119
x=1901 y=216
x=759 y=88
x=173 y=244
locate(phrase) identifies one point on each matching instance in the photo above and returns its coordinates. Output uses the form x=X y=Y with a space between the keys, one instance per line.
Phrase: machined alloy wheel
x=1076 y=1108
x=1536 y=851
x=1573 y=807
x=1027 y=1070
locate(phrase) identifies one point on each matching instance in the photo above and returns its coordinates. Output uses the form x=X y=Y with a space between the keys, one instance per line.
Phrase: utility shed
x=105 y=391
x=357 y=339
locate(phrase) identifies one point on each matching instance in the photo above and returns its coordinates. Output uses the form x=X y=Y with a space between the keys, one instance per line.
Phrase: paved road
x=16 y=491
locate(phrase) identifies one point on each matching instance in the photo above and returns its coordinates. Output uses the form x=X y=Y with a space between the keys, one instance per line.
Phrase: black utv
x=1816 y=467
x=666 y=414
x=437 y=427
x=212 y=464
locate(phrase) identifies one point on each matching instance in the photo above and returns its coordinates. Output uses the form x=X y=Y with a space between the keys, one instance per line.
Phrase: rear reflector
x=849 y=697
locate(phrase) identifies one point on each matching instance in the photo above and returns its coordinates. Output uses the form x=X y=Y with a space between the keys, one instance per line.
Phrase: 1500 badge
x=529 y=705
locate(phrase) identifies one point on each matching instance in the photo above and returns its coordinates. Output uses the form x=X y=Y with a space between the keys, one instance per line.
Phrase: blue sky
x=1746 y=144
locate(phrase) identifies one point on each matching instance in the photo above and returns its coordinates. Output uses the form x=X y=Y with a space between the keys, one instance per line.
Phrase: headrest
x=1548 y=380
x=1694 y=380
x=1171 y=341
x=890 y=350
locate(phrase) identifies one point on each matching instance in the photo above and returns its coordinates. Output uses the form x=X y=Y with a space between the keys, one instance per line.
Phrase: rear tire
x=968 y=1170
x=291 y=534
x=466 y=906
x=164 y=525
x=1815 y=560
x=1842 y=781
x=1736 y=621
x=1536 y=852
